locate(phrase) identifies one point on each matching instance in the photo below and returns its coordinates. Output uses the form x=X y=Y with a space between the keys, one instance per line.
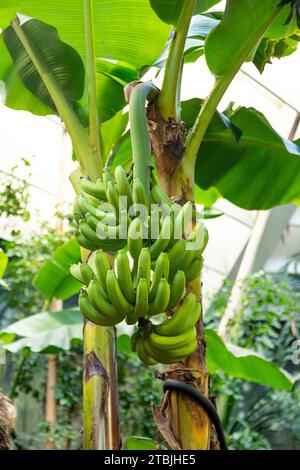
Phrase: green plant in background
x=267 y=322
x=14 y=194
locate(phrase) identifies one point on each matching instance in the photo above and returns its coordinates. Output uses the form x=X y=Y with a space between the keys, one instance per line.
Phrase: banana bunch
x=173 y=339
x=101 y=210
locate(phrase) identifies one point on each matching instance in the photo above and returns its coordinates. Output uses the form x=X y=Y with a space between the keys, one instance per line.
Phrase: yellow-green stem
x=169 y=99
x=222 y=83
x=94 y=121
x=79 y=136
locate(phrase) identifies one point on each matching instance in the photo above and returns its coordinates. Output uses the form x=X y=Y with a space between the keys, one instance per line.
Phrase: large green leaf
x=247 y=366
x=45 y=332
x=64 y=62
x=126 y=30
x=242 y=26
x=54 y=278
x=259 y=171
x=169 y=10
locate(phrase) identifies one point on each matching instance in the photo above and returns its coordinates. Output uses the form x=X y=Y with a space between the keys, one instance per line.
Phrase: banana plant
x=77 y=69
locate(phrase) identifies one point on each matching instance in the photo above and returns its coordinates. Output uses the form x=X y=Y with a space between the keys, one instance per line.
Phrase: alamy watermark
x=155 y=221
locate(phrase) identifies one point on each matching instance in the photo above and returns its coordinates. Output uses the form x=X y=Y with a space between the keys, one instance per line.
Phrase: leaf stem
x=222 y=83
x=94 y=121
x=168 y=102
x=77 y=133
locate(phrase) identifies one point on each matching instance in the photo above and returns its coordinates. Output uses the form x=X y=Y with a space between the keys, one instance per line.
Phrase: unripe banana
x=172 y=343
x=144 y=266
x=175 y=256
x=199 y=234
x=112 y=195
x=160 y=197
x=107 y=177
x=110 y=234
x=161 y=299
x=177 y=323
x=124 y=276
x=161 y=269
x=76 y=272
x=194 y=270
x=139 y=194
x=183 y=220
x=163 y=240
x=102 y=266
x=85 y=242
x=86 y=273
x=115 y=294
x=141 y=303
x=77 y=213
x=135 y=238
x=111 y=243
x=177 y=289
x=97 y=297
x=144 y=357
x=122 y=183
x=86 y=207
x=90 y=312
x=169 y=357
x=186 y=259
x=94 y=189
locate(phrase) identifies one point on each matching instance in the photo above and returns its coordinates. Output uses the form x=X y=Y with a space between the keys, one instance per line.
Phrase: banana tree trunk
x=100 y=394
x=180 y=420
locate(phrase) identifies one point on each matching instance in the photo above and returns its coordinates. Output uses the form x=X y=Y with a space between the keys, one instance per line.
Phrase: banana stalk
x=99 y=392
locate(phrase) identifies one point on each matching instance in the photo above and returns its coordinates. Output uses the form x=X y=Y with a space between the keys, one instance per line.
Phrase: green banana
x=90 y=312
x=116 y=296
x=186 y=259
x=107 y=177
x=175 y=256
x=124 y=276
x=144 y=266
x=143 y=355
x=76 y=272
x=177 y=323
x=163 y=240
x=122 y=184
x=94 y=189
x=161 y=299
x=87 y=208
x=194 y=270
x=141 y=303
x=161 y=269
x=97 y=297
x=102 y=265
x=183 y=220
x=172 y=343
x=135 y=239
x=160 y=197
x=112 y=232
x=177 y=289
x=77 y=213
x=169 y=357
x=112 y=195
x=85 y=242
x=108 y=244
x=139 y=194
